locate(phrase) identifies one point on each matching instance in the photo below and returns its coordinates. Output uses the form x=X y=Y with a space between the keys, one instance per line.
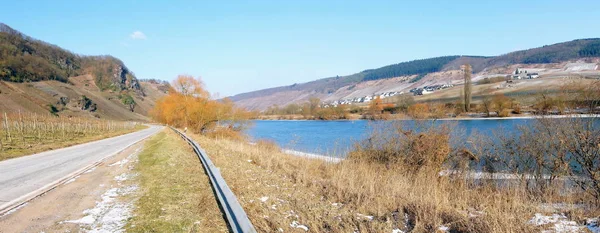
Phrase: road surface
x=24 y=175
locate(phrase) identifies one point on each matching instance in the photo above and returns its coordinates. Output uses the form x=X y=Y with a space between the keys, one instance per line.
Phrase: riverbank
x=525 y=116
x=312 y=156
x=529 y=117
x=292 y=193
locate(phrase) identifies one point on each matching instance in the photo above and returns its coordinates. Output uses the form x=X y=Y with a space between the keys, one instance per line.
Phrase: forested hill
x=23 y=58
x=422 y=66
x=542 y=55
x=555 y=53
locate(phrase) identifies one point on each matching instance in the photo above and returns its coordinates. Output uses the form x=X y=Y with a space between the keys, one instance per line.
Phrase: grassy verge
x=24 y=135
x=175 y=193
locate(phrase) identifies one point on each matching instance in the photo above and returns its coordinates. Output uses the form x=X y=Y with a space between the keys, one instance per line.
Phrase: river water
x=336 y=138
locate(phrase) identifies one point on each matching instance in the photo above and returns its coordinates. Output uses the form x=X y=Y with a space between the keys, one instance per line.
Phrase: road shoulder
x=61 y=208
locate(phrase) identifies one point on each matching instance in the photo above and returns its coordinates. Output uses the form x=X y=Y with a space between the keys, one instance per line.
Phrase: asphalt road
x=23 y=175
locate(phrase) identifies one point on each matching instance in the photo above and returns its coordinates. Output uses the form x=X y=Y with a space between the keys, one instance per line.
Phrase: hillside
x=404 y=76
x=42 y=78
x=23 y=59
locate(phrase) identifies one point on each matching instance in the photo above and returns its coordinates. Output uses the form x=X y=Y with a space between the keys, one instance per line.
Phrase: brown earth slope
x=65 y=98
x=38 y=77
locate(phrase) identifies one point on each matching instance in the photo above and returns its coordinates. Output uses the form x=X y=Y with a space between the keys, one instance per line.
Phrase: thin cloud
x=138 y=35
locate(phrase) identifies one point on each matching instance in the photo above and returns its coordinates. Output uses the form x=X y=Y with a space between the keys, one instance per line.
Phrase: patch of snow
x=368 y=217
x=72 y=180
x=540 y=219
x=14 y=210
x=397 y=231
x=292 y=214
x=264 y=199
x=122 y=177
x=249 y=160
x=593 y=224
x=443 y=228
x=313 y=156
x=567 y=226
x=120 y=163
x=86 y=220
x=475 y=214
x=91 y=170
x=109 y=215
x=128 y=190
x=295 y=224
x=560 y=223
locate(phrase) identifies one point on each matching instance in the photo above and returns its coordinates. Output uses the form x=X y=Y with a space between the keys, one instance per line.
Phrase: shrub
x=504 y=113
x=53 y=110
x=418 y=111
x=516 y=108
x=413 y=150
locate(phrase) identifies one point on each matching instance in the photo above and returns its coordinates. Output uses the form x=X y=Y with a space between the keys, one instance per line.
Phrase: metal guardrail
x=236 y=216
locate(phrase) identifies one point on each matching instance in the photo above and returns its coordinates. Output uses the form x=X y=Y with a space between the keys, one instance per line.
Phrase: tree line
x=313 y=109
x=422 y=66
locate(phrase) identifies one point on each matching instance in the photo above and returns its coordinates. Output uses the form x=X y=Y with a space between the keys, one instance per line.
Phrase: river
x=336 y=138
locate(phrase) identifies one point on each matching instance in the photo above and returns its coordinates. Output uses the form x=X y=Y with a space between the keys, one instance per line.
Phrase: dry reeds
x=395 y=196
x=416 y=180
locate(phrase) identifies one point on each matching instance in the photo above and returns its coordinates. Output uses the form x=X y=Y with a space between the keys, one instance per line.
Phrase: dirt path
x=97 y=200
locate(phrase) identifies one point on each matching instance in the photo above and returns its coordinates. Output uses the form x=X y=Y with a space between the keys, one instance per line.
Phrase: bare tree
x=467 y=87
x=486 y=105
x=314 y=103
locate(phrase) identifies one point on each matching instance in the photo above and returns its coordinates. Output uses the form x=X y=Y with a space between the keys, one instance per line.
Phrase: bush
x=53 y=110
x=418 y=111
x=413 y=150
x=492 y=80
x=517 y=109
x=504 y=113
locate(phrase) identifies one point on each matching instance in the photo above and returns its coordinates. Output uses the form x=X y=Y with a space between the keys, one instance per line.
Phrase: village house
x=529 y=73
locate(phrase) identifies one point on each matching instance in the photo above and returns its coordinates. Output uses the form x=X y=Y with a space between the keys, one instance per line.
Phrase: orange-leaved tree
x=376 y=106
x=189 y=105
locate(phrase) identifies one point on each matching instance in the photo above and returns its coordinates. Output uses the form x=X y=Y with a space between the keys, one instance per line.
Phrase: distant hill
x=24 y=59
x=42 y=78
x=416 y=73
x=423 y=66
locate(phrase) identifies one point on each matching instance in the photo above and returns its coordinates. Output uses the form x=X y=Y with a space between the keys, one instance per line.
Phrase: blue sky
x=240 y=46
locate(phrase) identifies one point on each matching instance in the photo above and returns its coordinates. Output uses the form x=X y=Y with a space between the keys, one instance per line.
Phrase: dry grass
x=176 y=195
x=334 y=197
x=24 y=134
x=394 y=178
